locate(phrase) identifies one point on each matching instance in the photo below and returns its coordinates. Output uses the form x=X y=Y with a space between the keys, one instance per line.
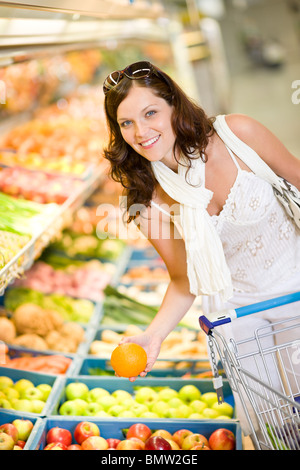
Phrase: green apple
x=139 y=408
x=76 y=390
x=5 y=382
x=198 y=406
x=185 y=410
x=128 y=403
x=72 y=408
x=195 y=416
x=127 y=414
x=209 y=413
x=37 y=406
x=223 y=417
x=23 y=405
x=32 y=393
x=160 y=407
x=175 y=402
x=189 y=393
x=149 y=414
x=24 y=427
x=115 y=410
x=121 y=396
x=94 y=394
x=10 y=393
x=45 y=389
x=101 y=414
x=22 y=384
x=223 y=409
x=167 y=393
x=209 y=398
x=107 y=401
x=4 y=403
x=174 y=413
x=145 y=395
x=91 y=409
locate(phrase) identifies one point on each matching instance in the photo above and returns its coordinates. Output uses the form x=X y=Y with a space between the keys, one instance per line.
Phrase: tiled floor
x=266 y=95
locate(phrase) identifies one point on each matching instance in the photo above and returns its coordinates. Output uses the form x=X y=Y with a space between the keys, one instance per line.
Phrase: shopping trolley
x=263 y=372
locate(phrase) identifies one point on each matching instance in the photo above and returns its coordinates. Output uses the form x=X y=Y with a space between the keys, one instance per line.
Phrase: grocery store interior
x=73 y=279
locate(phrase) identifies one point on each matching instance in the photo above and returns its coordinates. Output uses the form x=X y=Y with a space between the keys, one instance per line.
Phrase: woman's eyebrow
x=142 y=110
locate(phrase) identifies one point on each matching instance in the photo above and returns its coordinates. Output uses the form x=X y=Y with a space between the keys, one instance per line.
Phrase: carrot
x=56 y=364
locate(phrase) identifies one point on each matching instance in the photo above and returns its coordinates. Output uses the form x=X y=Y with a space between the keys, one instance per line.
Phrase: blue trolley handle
x=207 y=323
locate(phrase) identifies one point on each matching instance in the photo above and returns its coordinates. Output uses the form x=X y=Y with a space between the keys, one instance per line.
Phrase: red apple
x=179 y=435
x=163 y=433
x=6 y=442
x=157 y=443
x=139 y=430
x=138 y=441
x=200 y=447
x=57 y=434
x=112 y=442
x=131 y=444
x=173 y=444
x=94 y=443
x=222 y=439
x=85 y=429
x=56 y=446
x=74 y=447
x=11 y=430
x=192 y=440
x=21 y=443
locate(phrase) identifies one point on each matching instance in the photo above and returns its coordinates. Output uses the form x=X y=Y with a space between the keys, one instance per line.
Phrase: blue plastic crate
x=145 y=254
x=82 y=366
x=36 y=378
x=36 y=421
x=114 y=429
x=117 y=383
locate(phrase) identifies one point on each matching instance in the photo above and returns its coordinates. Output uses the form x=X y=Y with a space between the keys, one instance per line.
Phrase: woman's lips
x=150 y=142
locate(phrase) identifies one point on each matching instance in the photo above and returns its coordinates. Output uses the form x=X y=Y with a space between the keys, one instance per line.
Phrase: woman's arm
x=267 y=146
x=178 y=298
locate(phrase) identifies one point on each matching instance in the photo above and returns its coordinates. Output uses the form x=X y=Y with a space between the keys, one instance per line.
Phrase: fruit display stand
x=117 y=429
x=34 y=431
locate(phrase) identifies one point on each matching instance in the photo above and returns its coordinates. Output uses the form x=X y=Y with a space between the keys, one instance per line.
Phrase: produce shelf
x=118 y=383
x=35 y=432
x=55 y=382
x=55 y=224
x=84 y=366
x=114 y=429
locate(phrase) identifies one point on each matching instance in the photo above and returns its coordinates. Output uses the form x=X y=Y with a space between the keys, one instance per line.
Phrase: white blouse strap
x=233 y=157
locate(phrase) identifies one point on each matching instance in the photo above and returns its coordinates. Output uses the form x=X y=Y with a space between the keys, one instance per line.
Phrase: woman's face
x=145 y=122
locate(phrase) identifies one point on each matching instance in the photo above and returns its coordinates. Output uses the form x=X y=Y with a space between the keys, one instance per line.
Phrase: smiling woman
x=233 y=236
x=145 y=122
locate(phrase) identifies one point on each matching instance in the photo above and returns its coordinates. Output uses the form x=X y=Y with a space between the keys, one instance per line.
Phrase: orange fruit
x=128 y=359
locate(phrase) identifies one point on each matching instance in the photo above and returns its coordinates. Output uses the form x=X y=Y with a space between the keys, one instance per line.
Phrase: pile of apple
x=146 y=402
x=22 y=395
x=13 y=436
x=138 y=437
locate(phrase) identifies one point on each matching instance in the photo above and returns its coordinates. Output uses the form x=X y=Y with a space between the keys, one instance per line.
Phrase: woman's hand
x=151 y=345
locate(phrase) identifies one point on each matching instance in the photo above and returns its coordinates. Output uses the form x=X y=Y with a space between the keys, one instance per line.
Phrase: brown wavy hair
x=191 y=127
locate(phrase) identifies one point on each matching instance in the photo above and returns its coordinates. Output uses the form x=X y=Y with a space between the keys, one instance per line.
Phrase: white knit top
x=261 y=243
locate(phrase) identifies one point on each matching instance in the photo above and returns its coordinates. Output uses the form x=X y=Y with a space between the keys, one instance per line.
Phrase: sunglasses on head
x=134 y=71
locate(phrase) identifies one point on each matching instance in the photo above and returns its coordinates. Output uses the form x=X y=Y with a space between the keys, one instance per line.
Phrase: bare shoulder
x=246 y=127
x=268 y=146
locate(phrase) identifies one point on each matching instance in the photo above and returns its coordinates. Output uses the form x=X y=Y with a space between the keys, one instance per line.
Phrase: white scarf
x=207 y=270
